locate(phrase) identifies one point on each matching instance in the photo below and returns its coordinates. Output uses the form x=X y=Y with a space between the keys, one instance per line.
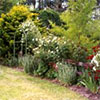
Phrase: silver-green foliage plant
x=66 y=73
x=28 y=63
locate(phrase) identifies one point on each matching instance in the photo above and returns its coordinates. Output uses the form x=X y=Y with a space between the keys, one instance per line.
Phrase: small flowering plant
x=91 y=74
x=95 y=58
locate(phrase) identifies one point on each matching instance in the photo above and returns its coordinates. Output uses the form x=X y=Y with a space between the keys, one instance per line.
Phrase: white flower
x=94 y=68
x=57 y=50
x=35 y=49
x=40 y=45
x=33 y=39
x=38 y=52
x=65 y=42
x=36 y=39
x=52 y=52
x=48 y=51
x=54 y=39
x=94 y=60
x=48 y=41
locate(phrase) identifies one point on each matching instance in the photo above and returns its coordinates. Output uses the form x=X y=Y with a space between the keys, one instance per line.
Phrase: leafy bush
x=9 y=24
x=78 y=17
x=58 y=30
x=6 y=5
x=66 y=73
x=49 y=14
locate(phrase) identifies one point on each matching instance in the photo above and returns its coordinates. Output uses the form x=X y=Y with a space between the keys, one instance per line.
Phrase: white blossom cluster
x=28 y=27
x=96 y=61
x=50 y=44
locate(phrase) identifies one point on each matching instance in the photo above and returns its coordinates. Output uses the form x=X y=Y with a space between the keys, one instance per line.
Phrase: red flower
x=94 y=47
x=89 y=73
x=96 y=77
x=90 y=57
x=97 y=70
x=95 y=50
x=54 y=65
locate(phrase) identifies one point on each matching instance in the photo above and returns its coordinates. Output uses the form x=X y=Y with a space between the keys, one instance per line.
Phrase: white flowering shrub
x=30 y=34
x=50 y=49
x=55 y=48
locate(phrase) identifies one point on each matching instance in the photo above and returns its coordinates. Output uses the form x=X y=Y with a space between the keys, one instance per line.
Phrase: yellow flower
x=3 y=15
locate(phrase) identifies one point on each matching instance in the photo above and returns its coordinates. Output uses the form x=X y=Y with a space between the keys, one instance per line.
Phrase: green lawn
x=15 y=85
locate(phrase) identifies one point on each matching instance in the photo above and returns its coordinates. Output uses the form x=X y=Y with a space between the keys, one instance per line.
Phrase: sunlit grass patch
x=15 y=85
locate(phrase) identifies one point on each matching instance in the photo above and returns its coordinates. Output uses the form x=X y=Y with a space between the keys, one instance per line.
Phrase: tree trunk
x=39 y=4
x=34 y=2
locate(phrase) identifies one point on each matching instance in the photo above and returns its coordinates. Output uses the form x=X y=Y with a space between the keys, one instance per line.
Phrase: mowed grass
x=15 y=85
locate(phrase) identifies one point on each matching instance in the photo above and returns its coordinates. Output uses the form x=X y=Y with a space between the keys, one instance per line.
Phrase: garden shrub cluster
x=49 y=14
x=9 y=24
x=54 y=45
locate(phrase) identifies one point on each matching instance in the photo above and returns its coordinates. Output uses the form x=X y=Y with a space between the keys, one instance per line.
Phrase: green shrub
x=52 y=73
x=6 y=5
x=49 y=14
x=66 y=73
x=41 y=69
x=58 y=30
x=9 y=24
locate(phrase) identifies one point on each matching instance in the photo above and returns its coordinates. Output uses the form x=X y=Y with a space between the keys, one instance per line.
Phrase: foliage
x=46 y=50
x=9 y=24
x=77 y=51
x=6 y=5
x=58 y=30
x=88 y=81
x=13 y=62
x=49 y=14
x=78 y=17
x=52 y=48
x=66 y=73
x=28 y=63
x=29 y=33
x=95 y=30
x=90 y=77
